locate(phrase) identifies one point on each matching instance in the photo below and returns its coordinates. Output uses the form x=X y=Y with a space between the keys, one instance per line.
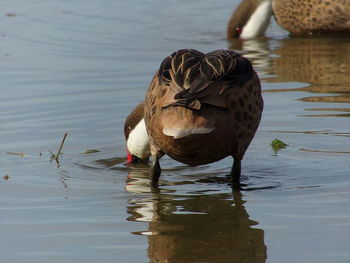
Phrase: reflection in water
x=111 y=161
x=63 y=177
x=256 y=50
x=195 y=228
x=321 y=62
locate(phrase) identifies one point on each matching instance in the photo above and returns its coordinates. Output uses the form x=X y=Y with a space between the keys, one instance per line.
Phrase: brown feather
x=201 y=107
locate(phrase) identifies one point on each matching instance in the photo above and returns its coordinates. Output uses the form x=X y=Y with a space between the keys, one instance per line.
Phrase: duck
x=198 y=109
x=300 y=17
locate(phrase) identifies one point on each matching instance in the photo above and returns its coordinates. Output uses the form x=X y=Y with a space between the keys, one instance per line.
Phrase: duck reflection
x=323 y=63
x=256 y=50
x=196 y=228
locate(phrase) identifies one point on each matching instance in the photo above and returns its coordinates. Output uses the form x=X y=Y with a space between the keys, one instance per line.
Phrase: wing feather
x=203 y=78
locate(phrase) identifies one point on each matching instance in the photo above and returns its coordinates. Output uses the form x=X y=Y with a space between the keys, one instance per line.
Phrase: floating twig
x=16 y=153
x=59 y=150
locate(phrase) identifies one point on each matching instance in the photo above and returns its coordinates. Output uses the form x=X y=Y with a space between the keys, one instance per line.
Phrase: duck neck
x=258 y=20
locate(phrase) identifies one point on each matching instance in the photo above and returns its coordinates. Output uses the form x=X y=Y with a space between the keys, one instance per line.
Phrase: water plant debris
x=277 y=145
x=16 y=153
x=53 y=156
x=6 y=177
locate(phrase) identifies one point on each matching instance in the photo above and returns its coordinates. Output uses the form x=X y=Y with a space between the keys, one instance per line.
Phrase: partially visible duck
x=137 y=141
x=299 y=17
x=250 y=19
x=199 y=109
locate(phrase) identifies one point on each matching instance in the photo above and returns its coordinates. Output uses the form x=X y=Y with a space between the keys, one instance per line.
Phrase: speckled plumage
x=299 y=17
x=302 y=17
x=217 y=94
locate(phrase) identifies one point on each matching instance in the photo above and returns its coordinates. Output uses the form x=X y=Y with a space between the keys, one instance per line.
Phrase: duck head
x=137 y=140
x=250 y=19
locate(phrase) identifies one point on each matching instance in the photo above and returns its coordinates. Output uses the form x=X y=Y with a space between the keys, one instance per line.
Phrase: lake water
x=81 y=66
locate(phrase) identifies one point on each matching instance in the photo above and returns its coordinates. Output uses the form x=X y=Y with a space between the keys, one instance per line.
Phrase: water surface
x=81 y=66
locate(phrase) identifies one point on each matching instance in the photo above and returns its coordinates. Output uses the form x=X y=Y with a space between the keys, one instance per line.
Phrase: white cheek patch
x=138 y=141
x=258 y=22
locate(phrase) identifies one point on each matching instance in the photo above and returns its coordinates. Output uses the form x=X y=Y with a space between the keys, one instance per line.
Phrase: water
x=81 y=66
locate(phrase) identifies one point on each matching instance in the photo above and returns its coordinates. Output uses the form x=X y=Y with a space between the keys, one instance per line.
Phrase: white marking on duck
x=138 y=141
x=178 y=133
x=258 y=21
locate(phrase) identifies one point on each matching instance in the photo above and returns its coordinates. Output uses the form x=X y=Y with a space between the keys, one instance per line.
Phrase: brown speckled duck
x=299 y=17
x=199 y=109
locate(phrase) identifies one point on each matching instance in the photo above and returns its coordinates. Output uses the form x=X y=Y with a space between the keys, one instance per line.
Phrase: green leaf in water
x=91 y=151
x=278 y=145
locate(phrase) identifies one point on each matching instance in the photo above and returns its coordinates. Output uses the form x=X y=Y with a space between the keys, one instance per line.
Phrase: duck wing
x=203 y=78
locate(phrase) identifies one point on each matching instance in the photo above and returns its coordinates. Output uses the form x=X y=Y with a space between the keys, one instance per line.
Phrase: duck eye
x=127 y=130
x=238 y=30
